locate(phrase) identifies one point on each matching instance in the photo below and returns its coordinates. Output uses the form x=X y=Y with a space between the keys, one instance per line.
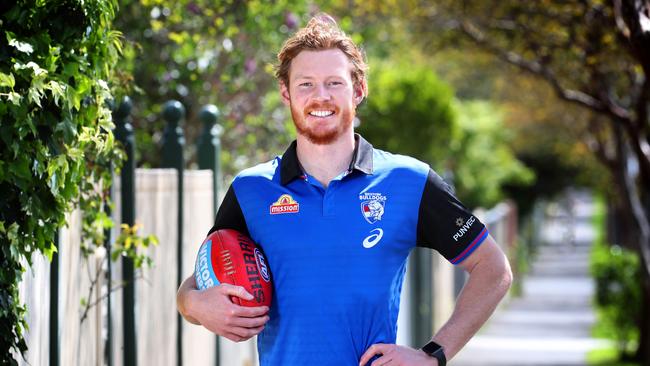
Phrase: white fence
x=156 y=333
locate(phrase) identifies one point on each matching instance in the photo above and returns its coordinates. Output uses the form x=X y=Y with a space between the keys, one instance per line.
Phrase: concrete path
x=550 y=323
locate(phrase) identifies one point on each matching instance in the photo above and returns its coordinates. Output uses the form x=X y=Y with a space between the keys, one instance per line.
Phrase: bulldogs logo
x=372 y=206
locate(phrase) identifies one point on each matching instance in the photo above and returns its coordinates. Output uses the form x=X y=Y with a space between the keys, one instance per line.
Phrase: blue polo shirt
x=338 y=254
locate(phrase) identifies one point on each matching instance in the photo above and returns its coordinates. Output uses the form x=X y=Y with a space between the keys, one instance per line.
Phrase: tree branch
x=598 y=145
x=634 y=200
x=93 y=282
x=620 y=22
x=643 y=119
x=537 y=68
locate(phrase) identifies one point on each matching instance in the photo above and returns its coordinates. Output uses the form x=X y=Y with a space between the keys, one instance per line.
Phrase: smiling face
x=321 y=95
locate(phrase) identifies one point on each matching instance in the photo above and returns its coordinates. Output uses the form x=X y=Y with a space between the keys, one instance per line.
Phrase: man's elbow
x=506 y=277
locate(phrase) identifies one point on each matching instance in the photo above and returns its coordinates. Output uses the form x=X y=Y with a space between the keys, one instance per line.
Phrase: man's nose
x=321 y=92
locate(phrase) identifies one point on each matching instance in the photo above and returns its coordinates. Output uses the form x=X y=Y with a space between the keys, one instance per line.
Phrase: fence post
x=54 y=304
x=124 y=134
x=209 y=153
x=172 y=157
x=209 y=147
x=422 y=305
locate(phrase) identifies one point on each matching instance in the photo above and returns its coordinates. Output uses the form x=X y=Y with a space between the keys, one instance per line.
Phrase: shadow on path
x=550 y=324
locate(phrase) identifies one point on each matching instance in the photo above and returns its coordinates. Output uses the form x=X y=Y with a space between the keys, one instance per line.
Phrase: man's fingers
x=382 y=361
x=234 y=337
x=246 y=333
x=236 y=291
x=250 y=322
x=375 y=349
x=249 y=311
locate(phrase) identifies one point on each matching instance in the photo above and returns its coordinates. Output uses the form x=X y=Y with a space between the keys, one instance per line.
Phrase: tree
x=199 y=52
x=593 y=54
x=483 y=161
x=56 y=142
x=410 y=111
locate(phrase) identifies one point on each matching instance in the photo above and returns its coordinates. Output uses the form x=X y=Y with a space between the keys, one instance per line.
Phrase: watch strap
x=436 y=351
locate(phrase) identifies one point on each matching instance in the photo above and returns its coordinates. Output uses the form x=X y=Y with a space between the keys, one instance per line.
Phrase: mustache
x=314 y=106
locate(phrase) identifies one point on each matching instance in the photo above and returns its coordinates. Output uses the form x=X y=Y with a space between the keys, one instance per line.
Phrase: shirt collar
x=361 y=160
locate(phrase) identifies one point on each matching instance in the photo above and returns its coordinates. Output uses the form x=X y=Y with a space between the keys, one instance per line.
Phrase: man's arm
x=489 y=280
x=213 y=309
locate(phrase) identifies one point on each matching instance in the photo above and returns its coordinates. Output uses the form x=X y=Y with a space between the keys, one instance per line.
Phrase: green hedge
x=617 y=272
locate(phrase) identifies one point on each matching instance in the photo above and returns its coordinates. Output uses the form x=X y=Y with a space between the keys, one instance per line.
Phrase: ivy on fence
x=56 y=141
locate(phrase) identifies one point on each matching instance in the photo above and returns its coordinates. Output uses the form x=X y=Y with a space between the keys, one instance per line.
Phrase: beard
x=315 y=133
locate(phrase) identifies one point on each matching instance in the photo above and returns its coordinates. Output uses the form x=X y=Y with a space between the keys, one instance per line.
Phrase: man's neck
x=325 y=162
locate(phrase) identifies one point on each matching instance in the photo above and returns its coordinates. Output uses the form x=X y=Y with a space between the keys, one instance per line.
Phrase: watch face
x=431 y=347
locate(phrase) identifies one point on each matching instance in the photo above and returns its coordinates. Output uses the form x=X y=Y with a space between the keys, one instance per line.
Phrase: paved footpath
x=550 y=323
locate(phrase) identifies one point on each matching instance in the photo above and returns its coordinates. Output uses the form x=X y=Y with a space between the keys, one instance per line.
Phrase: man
x=338 y=253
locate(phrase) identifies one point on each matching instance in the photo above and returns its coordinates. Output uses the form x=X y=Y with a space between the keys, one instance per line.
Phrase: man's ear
x=360 y=92
x=284 y=92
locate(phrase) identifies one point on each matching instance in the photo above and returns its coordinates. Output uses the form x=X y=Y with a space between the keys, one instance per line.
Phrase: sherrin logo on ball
x=228 y=256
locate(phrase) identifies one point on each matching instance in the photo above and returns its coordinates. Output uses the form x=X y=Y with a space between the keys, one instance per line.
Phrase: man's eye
x=305 y=85
x=335 y=83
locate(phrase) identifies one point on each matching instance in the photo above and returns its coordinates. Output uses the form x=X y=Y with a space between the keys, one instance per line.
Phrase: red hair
x=322 y=33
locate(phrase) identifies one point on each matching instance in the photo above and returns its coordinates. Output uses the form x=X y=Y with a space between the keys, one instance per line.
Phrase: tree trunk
x=637 y=196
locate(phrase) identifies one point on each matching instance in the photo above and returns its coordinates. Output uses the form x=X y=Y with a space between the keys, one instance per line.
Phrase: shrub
x=617 y=272
x=55 y=135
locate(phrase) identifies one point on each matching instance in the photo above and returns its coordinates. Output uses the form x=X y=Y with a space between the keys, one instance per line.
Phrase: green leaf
x=67 y=127
x=12 y=235
x=73 y=98
x=37 y=70
x=57 y=169
x=7 y=80
x=75 y=154
x=22 y=46
x=57 y=89
x=152 y=239
x=20 y=168
x=49 y=251
x=34 y=95
x=115 y=255
x=14 y=98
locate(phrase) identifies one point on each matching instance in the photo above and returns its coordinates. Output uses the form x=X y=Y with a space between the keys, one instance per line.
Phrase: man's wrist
x=431 y=361
x=434 y=350
x=185 y=304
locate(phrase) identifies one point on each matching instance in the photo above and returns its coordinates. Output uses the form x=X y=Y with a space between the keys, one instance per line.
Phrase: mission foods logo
x=284 y=204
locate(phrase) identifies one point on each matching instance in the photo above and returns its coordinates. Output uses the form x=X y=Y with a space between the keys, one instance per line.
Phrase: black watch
x=435 y=350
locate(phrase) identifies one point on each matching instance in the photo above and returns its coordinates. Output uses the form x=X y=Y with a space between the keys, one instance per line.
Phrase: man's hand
x=394 y=355
x=213 y=309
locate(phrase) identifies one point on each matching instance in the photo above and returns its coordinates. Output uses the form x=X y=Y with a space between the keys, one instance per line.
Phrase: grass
x=606 y=357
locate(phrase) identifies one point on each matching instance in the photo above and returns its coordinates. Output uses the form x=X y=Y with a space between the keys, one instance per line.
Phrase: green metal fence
x=208 y=148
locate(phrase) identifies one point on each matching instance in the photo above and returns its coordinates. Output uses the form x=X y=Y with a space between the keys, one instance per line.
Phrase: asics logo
x=372 y=239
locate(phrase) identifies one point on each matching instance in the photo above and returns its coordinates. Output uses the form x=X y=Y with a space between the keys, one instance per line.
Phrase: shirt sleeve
x=229 y=215
x=444 y=224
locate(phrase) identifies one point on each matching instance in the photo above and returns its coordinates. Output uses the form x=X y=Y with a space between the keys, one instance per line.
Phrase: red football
x=229 y=256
